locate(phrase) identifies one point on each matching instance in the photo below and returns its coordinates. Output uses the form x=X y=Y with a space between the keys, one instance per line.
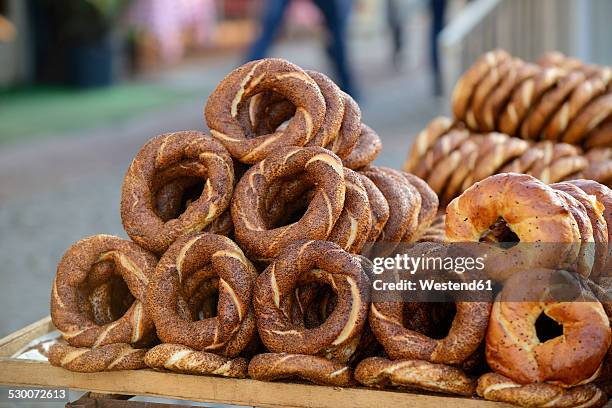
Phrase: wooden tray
x=19 y=372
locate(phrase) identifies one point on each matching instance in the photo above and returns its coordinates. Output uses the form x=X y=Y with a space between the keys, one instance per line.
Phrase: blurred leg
x=336 y=14
x=271 y=21
x=437 y=24
x=395 y=26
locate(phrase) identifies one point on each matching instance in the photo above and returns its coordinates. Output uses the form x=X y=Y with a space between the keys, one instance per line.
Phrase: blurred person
x=7 y=30
x=396 y=28
x=335 y=13
x=437 y=9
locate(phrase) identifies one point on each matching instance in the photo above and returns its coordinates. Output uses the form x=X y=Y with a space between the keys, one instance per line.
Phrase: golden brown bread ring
x=319 y=370
x=495 y=387
x=195 y=259
x=378 y=206
x=563 y=167
x=497 y=156
x=138 y=215
x=350 y=130
x=185 y=360
x=549 y=103
x=601 y=136
x=586 y=256
x=525 y=97
x=443 y=146
x=588 y=119
x=599 y=154
x=403 y=213
x=600 y=172
x=444 y=170
x=580 y=97
x=531 y=210
x=325 y=263
x=380 y=372
x=486 y=144
x=513 y=347
x=470 y=150
x=317 y=164
x=486 y=88
x=110 y=357
x=500 y=96
x=552 y=152
x=424 y=140
x=436 y=231
x=523 y=163
x=132 y=263
x=365 y=151
x=594 y=210
x=464 y=89
x=604 y=196
x=464 y=337
x=235 y=89
x=352 y=229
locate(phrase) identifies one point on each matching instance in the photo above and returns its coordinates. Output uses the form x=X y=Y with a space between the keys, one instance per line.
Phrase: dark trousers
x=336 y=14
x=438 y=8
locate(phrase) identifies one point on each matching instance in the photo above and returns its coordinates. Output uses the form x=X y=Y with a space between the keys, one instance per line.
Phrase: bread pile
x=450 y=158
x=287 y=175
x=561 y=99
x=248 y=255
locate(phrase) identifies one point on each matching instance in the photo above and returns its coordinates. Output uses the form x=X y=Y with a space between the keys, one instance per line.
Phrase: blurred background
x=84 y=83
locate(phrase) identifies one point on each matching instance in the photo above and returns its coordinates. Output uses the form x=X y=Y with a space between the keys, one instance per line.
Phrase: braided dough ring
x=441 y=149
x=190 y=262
x=285 y=78
x=323 y=262
x=138 y=214
x=319 y=166
x=97 y=258
x=495 y=387
x=594 y=210
x=465 y=335
x=110 y=357
x=415 y=374
x=403 y=214
x=185 y=360
x=526 y=96
x=350 y=130
x=379 y=208
x=429 y=202
x=485 y=89
x=500 y=96
x=365 y=151
x=549 y=103
x=319 y=370
x=531 y=210
x=424 y=140
x=588 y=119
x=580 y=97
x=352 y=229
x=601 y=136
x=464 y=89
x=513 y=347
x=603 y=195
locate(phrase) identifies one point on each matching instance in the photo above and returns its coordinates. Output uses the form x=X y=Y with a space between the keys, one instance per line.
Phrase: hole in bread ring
x=171 y=155
x=273 y=297
x=513 y=347
x=319 y=167
x=548 y=233
x=285 y=78
x=209 y=263
x=81 y=276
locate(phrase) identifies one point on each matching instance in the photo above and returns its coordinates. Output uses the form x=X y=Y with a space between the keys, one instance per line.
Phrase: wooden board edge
x=10 y=344
x=219 y=390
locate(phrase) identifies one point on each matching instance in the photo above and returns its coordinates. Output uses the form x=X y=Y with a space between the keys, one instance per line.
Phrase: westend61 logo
x=412 y=264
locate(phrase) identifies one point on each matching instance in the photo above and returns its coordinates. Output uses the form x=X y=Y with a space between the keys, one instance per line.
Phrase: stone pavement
x=57 y=191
